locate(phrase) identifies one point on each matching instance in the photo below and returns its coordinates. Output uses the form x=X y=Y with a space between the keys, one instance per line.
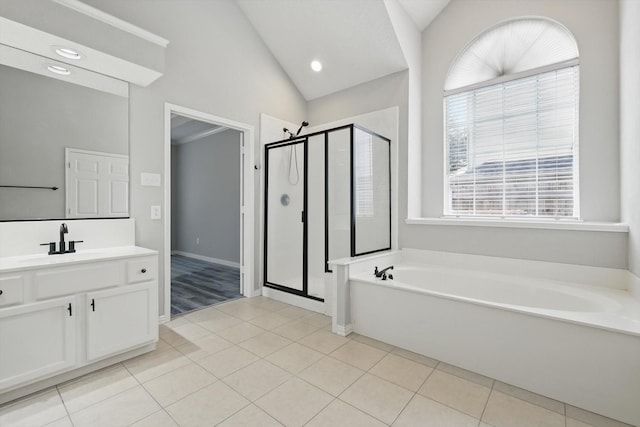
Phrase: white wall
x=410 y=40
x=630 y=125
x=215 y=63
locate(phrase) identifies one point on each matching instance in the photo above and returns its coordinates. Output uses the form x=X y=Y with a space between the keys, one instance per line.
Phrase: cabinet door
x=121 y=318
x=37 y=340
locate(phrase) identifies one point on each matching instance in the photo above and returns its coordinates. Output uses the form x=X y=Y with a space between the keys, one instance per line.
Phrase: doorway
x=209 y=210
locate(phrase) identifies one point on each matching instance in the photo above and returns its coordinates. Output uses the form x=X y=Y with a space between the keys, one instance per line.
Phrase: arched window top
x=512 y=47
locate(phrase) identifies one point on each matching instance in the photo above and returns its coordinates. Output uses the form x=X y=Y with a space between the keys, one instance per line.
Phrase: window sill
x=576 y=225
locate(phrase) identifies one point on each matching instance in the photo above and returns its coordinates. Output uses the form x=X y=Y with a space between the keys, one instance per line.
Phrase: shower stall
x=327 y=196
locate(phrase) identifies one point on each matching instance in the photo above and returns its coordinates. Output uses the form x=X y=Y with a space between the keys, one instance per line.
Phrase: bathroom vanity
x=62 y=316
x=66 y=314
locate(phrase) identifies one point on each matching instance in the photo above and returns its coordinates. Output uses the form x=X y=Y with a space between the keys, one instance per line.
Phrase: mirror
x=70 y=140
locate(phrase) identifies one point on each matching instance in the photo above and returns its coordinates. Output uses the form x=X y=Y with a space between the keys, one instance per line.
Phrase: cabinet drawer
x=11 y=288
x=141 y=269
x=77 y=279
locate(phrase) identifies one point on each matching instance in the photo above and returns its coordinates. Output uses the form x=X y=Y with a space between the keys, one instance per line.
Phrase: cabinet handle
x=144 y=270
x=93 y=304
x=69 y=308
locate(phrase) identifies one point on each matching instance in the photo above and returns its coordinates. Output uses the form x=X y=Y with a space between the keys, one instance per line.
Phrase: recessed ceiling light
x=67 y=52
x=58 y=70
x=316 y=66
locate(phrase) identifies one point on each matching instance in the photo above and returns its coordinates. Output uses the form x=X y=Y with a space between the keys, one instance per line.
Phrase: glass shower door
x=285 y=231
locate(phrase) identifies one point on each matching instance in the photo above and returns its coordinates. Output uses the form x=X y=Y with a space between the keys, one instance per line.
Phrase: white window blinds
x=512 y=147
x=363 y=174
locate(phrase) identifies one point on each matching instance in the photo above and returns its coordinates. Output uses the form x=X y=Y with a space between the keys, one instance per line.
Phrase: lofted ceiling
x=422 y=12
x=354 y=39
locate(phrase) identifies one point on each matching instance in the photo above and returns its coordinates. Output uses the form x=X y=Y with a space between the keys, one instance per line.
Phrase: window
x=511 y=129
x=364 y=174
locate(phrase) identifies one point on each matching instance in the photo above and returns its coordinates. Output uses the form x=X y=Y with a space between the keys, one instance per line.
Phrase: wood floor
x=196 y=284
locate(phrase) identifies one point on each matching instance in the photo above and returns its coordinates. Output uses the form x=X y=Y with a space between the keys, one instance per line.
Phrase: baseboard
x=36 y=386
x=208 y=259
x=298 y=301
x=634 y=285
x=343 y=331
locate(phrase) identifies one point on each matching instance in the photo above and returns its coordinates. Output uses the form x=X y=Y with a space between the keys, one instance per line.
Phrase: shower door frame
x=304 y=139
x=354 y=252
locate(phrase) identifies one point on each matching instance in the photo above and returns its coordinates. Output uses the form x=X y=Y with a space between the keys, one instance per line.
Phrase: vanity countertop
x=28 y=262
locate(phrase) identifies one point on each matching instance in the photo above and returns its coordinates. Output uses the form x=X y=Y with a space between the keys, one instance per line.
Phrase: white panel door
x=37 y=340
x=121 y=318
x=97 y=184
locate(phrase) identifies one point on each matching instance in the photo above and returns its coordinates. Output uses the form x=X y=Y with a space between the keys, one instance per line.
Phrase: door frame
x=247 y=208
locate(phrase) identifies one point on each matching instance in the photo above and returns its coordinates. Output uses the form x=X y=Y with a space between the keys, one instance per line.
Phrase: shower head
x=305 y=123
x=285 y=130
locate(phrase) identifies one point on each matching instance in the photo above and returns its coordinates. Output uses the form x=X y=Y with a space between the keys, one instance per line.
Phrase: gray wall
x=630 y=125
x=205 y=196
x=39 y=117
x=457 y=25
x=215 y=63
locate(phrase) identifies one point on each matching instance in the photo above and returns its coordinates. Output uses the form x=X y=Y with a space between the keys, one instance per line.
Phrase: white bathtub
x=573 y=342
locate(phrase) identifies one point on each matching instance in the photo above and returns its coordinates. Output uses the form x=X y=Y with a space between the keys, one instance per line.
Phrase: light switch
x=156 y=213
x=150 y=179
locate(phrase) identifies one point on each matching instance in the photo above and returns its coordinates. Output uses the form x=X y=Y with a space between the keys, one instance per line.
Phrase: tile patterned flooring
x=259 y=362
x=196 y=284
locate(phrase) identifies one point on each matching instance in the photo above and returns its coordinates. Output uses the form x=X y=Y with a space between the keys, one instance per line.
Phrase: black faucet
x=62 y=244
x=382 y=273
x=63 y=230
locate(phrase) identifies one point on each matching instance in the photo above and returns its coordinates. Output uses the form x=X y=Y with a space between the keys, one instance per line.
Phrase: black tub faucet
x=381 y=273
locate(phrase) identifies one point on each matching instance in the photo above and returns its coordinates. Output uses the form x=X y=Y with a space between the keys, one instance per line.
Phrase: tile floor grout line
x=449 y=406
x=323 y=408
x=231 y=415
x=170 y=416
x=64 y=405
x=404 y=407
x=487 y=402
x=188 y=394
x=101 y=400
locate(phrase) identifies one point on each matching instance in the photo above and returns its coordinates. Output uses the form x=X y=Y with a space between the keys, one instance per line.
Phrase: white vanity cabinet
x=75 y=312
x=37 y=340
x=119 y=318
